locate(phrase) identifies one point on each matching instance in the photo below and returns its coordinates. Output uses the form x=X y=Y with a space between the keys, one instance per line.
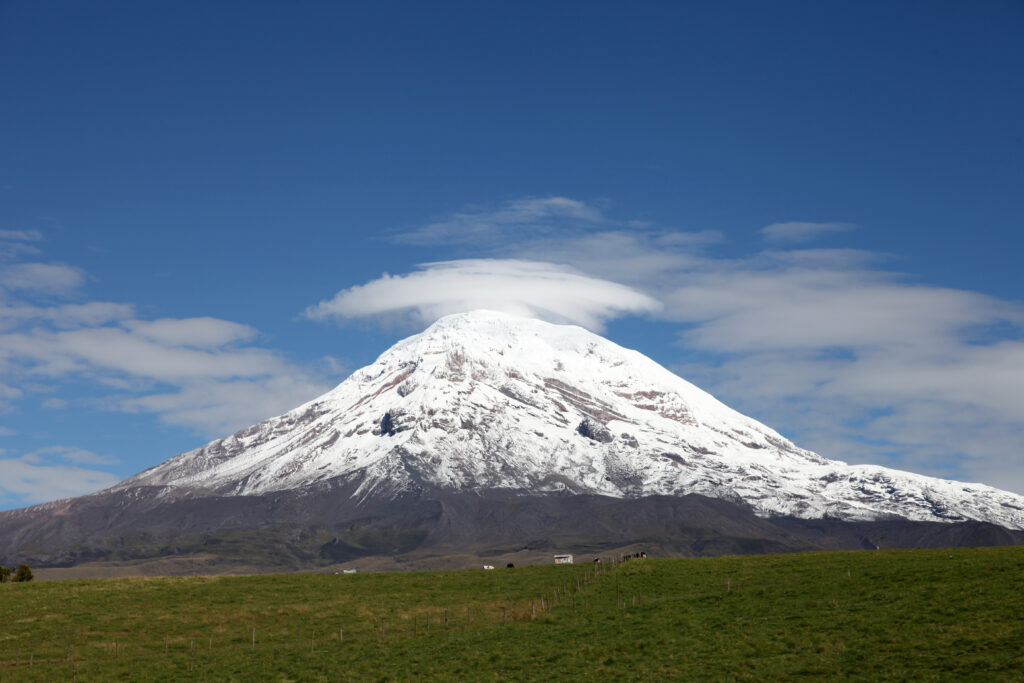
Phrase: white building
x=563 y=559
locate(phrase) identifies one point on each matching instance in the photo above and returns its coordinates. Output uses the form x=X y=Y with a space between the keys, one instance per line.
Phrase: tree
x=23 y=573
x=5 y=574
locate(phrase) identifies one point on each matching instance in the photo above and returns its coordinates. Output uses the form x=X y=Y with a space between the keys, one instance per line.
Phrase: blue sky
x=811 y=209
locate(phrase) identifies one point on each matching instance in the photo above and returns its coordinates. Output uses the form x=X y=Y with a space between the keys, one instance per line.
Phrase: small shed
x=563 y=559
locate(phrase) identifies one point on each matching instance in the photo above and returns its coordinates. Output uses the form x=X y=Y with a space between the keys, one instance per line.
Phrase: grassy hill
x=911 y=614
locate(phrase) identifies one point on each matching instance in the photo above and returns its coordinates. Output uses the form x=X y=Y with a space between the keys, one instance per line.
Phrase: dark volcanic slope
x=306 y=529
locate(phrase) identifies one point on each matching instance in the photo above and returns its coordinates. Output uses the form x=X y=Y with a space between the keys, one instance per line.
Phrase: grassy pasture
x=913 y=615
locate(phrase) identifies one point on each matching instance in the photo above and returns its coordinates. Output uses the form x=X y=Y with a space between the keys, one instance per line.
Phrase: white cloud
x=629 y=256
x=739 y=308
x=25 y=482
x=203 y=373
x=797 y=231
x=218 y=408
x=112 y=349
x=7 y=431
x=14 y=243
x=202 y=333
x=520 y=287
x=7 y=392
x=66 y=315
x=45 y=278
x=227 y=387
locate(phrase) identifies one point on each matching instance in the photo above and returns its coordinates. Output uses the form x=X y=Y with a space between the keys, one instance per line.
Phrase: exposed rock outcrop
x=595 y=431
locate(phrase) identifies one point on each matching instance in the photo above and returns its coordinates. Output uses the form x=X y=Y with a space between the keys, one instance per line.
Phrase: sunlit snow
x=486 y=400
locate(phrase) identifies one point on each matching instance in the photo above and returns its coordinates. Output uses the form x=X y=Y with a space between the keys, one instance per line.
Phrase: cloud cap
x=534 y=289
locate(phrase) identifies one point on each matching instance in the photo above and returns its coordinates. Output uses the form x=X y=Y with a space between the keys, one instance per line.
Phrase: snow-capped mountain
x=485 y=401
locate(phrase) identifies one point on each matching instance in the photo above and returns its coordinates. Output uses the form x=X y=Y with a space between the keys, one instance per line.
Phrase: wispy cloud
x=200 y=333
x=202 y=373
x=861 y=363
x=645 y=258
x=21 y=235
x=72 y=454
x=527 y=288
x=44 y=278
x=772 y=303
x=165 y=369
x=65 y=315
x=797 y=231
x=484 y=225
x=220 y=406
x=17 y=243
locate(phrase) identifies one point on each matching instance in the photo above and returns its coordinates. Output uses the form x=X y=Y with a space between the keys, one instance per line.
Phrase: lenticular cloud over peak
x=533 y=289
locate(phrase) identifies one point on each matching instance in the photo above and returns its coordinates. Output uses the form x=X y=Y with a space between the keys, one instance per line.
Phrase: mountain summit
x=488 y=401
x=495 y=435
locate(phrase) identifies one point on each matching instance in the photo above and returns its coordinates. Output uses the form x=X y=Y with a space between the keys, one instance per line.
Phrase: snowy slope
x=484 y=400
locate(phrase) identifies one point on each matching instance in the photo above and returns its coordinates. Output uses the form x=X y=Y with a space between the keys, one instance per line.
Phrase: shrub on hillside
x=5 y=574
x=24 y=573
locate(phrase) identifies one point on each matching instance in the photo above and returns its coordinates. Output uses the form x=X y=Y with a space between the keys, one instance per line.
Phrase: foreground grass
x=919 y=614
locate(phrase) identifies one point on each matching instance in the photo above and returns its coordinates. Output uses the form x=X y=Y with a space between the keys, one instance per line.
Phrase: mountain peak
x=486 y=400
x=471 y=328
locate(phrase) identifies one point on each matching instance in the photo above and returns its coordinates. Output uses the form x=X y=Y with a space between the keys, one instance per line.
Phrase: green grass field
x=913 y=615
